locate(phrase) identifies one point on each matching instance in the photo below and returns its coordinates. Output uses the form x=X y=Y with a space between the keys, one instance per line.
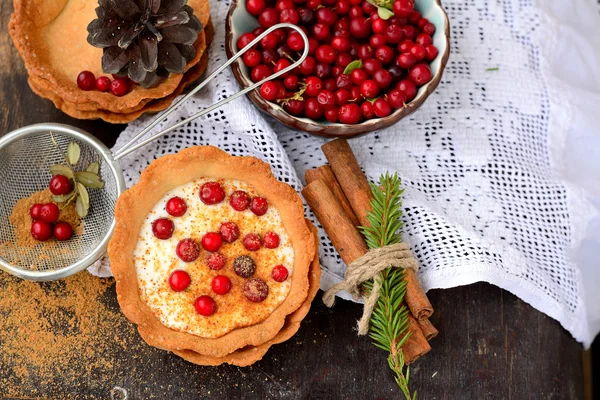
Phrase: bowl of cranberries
x=370 y=62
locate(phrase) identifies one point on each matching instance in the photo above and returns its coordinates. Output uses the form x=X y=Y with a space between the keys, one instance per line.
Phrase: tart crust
x=148 y=105
x=251 y=354
x=58 y=54
x=169 y=172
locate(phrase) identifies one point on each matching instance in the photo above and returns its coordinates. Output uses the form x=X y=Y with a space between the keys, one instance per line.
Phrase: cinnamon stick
x=350 y=177
x=416 y=345
x=325 y=174
x=344 y=236
x=415 y=297
x=428 y=329
x=356 y=188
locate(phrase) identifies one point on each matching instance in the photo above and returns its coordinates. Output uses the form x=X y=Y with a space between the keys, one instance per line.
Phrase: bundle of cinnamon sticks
x=340 y=197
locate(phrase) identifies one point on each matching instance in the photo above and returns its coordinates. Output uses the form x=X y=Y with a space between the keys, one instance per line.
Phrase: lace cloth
x=501 y=167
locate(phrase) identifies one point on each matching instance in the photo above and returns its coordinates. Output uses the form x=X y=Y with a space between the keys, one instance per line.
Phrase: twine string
x=365 y=268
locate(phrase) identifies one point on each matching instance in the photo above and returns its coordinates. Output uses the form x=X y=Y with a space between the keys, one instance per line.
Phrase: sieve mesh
x=24 y=169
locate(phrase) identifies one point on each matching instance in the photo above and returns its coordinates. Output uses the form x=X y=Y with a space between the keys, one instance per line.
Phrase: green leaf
x=83 y=201
x=493 y=69
x=73 y=153
x=62 y=198
x=61 y=169
x=89 y=179
x=94 y=168
x=352 y=66
x=384 y=13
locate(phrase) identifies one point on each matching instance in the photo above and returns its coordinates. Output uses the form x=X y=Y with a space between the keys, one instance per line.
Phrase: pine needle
x=389 y=321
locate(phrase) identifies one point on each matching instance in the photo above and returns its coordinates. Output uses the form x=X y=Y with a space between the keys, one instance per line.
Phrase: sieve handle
x=130 y=147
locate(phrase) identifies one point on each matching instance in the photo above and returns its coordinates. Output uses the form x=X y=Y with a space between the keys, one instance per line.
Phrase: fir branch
x=389 y=321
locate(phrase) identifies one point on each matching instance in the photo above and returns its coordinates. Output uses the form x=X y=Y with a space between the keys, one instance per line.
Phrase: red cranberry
x=176 y=206
x=269 y=57
x=290 y=16
x=385 y=54
x=358 y=76
x=419 y=52
x=343 y=59
x=221 y=284
x=396 y=98
x=255 y=7
x=326 y=54
x=341 y=97
x=260 y=72
x=326 y=16
x=62 y=231
x=312 y=109
x=212 y=241
x=432 y=52
x=212 y=193
x=34 y=211
x=406 y=60
x=279 y=273
x=360 y=27
x=59 y=185
x=396 y=72
x=326 y=99
x=323 y=71
x=331 y=114
x=49 y=213
x=421 y=22
x=270 y=41
x=367 y=110
x=268 y=17
x=372 y=65
x=379 y=26
x=259 y=206
x=408 y=87
x=205 y=305
x=307 y=16
x=329 y=84
x=295 y=41
x=377 y=40
x=405 y=46
x=239 y=200
x=86 y=80
x=313 y=86
x=368 y=8
x=369 y=89
x=268 y=91
x=356 y=2
x=343 y=81
x=365 y=52
x=179 y=280
x=103 y=83
x=403 y=8
x=216 y=261
x=414 y=17
x=355 y=12
x=257 y=31
x=350 y=114
x=271 y=240
x=342 y=7
x=119 y=87
x=320 y=32
x=336 y=71
x=423 y=39
x=355 y=94
x=245 y=39
x=251 y=58
x=291 y=82
x=163 y=228
x=188 y=250
x=340 y=43
x=420 y=74
x=41 y=230
x=307 y=66
x=394 y=34
x=294 y=107
x=409 y=31
x=256 y=290
x=281 y=5
x=313 y=4
x=383 y=78
x=252 y=242
x=381 y=108
x=230 y=232
x=428 y=28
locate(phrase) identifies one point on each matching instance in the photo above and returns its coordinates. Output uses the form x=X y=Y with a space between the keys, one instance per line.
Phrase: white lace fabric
x=487 y=162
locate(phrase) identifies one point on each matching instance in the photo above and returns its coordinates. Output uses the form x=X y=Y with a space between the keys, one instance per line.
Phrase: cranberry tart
x=211 y=253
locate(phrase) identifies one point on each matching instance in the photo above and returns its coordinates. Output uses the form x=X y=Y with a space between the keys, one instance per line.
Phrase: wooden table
x=491 y=345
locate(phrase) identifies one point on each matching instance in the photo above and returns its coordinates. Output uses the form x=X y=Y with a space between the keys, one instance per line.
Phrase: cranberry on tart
x=201 y=278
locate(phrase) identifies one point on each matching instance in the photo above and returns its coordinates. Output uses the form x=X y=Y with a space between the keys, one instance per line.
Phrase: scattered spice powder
x=61 y=334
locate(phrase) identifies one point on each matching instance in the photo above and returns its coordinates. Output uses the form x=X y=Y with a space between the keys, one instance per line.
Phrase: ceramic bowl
x=240 y=21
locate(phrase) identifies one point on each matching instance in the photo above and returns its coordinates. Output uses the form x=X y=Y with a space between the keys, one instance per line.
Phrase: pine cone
x=144 y=39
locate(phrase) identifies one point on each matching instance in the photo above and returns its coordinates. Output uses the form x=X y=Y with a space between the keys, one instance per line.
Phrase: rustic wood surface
x=491 y=344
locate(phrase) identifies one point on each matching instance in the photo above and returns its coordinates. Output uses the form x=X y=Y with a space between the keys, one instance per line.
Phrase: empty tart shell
x=51 y=37
x=169 y=172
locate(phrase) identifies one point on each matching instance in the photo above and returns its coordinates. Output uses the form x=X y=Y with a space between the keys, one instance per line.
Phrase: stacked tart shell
x=51 y=37
x=243 y=345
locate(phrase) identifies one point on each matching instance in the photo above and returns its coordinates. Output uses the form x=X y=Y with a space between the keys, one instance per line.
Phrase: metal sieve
x=26 y=155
